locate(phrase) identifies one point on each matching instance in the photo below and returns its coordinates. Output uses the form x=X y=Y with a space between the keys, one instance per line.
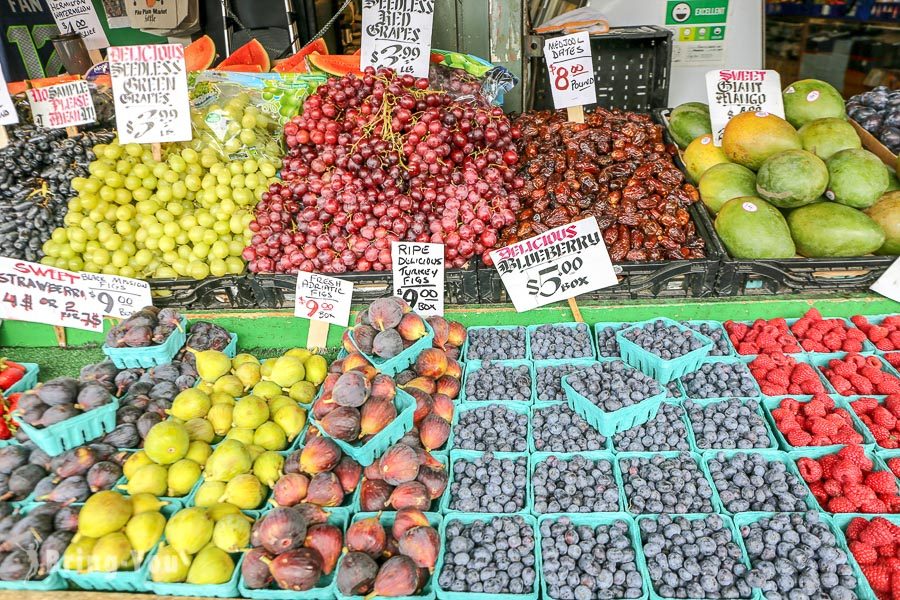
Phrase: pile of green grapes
x=185 y=215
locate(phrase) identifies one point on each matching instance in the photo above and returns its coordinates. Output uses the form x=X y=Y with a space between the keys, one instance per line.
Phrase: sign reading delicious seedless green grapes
x=151 y=94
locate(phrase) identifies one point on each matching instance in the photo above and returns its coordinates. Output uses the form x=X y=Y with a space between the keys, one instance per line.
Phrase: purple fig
x=66 y=519
x=356 y=574
x=123 y=436
x=28 y=532
x=40 y=458
x=146 y=422
x=93 y=396
x=125 y=379
x=298 y=569
x=12 y=457
x=137 y=337
x=30 y=401
x=52 y=550
x=128 y=414
x=19 y=565
x=76 y=461
x=104 y=451
x=57 y=414
x=62 y=390
x=23 y=480
x=69 y=490
x=103 y=373
x=255 y=569
x=103 y=476
x=164 y=390
x=281 y=529
x=45 y=485
x=185 y=381
x=169 y=316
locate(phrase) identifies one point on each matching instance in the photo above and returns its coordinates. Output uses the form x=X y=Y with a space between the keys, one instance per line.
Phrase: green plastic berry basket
x=750 y=324
x=820 y=362
x=366 y=454
x=231 y=349
x=607 y=444
x=863 y=591
x=474 y=365
x=867 y=347
x=713 y=500
x=737 y=360
x=813 y=452
x=467 y=518
x=392 y=366
x=520 y=408
x=28 y=381
x=465 y=356
x=531 y=329
x=770 y=403
x=73 y=432
x=800 y=359
x=661 y=369
x=600 y=456
x=727 y=523
x=695 y=325
x=387 y=521
x=542 y=364
x=151 y=356
x=610 y=423
x=773 y=441
x=769 y=456
x=616 y=326
x=469 y=456
x=841 y=521
x=684 y=421
x=435 y=506
x=52 y=582
x=323 y=589
x=594 y=520
x=877 y=320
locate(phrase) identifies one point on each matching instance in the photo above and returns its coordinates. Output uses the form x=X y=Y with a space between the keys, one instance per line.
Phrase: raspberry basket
x=820 y=362
x=661 y=369
x=594 y=456
x=770 y=403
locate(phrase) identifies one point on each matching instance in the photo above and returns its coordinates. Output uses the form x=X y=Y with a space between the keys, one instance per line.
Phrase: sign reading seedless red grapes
x=151 y=93
x=571 y=70
x=116 y=296
x=322 y=298
x=396 y=34
x=556 y=265
x=62 y=105
x=419 y=276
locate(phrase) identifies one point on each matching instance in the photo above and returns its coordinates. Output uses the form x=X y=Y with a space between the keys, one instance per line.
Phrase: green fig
x=232 y=532
x=169 y=565
x=250 y=412
x=103 y=513
x=112 y=552
x=212 y=364
x=190 y=404
x=211 y=566
x=270 y=436
x=287 y=371
x=209 y=493
x=268 y=467
x=189 y=530
x=182 y=477
x=167 y=442
x=143 y=531
x=244 y=491
x=227 y=461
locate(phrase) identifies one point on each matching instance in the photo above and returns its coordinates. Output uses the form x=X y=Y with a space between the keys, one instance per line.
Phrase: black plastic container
x=231 y=291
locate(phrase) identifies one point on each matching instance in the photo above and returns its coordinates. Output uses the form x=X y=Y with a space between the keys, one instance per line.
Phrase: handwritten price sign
x=116 y=296
x=8 y=115
x=734 y=91
x=79 y=16
x=63 y=105
x=418 y=271
x=397 y=35
x=571 y=70
x=322 y=298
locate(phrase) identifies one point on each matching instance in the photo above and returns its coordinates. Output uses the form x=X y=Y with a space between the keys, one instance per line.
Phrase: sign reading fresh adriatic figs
x=79 y=16
x=396 y=34
x=40 y=294
x=151 y=93
x=888 y=285
x=571 y=70
x=418 y=270
x=734 y=91
x=116 y=296
x=556 y=265
x=8 y=114
x=322 y=298
x=62 y=105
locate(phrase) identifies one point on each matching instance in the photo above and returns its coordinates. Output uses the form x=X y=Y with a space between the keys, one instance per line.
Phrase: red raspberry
x=874 y=507
x=824 y=427
x=769 y=389
x=861 y=384
x=841 y=368
x=747 y=348
x=856 y=455
x=840 y=383
x=840 y=504
x=893 y=359
x=888 y=550
x=882 y=482
x=852 y=346
x=833 y=488
x=892 y=563
x=895 y=585
x=832 y=341
x=892 y=403
x=879 y=532
x=864 y=405
x=764 y=362
x=810 y=470
x=798 y=437
x=854 y=528
x=878 y=576
x=890 y=385
x=811 y=386
x=864 y=553
x=815 y=408
x=779 y=377
x=879 y=432
x=847 y=436
x=894 y=465
x=873 y=374
x=883 y=417
x=859 y=494
x=860 y=321
x=877 y=333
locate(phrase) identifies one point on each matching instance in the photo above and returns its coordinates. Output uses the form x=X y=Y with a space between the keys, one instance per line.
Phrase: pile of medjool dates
x=614 y=167
x=34 y=540
x=149 y=326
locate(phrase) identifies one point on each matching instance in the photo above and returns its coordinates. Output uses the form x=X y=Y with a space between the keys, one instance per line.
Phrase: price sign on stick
x=888 y=285
x=556 y=265
x=116 y=296
x=733 y=91
x=62 y=105
x=8 y=115
x=151 y=94
x=322 y=300
x=396 y=34
x=419 y=276
x=79 y=16
x=571 y=70
x=41 y=294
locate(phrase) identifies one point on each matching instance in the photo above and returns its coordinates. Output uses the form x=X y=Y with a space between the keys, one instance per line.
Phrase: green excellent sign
x=696 y=12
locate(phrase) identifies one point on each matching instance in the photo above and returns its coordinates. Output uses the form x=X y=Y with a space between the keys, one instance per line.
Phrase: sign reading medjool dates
x=151 y=94
x=396 y=34
x=116 y=296
x=734 y=91
x=571 y=70
x=323 y=298
x=419 y=276
x=43 y=294
x=558 y=264
x=62 y=105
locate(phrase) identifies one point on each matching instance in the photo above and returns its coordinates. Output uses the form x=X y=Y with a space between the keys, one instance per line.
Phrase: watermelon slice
x=336 y=64
x=251 y=53
x=200 y=54
x=297 y=63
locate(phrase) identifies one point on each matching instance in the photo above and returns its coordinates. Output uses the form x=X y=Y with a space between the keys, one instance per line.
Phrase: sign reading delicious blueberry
x=558 y=264
x=396 y=34
x=62 y=105
x=116 y=296
x=323 y=298
x=571 y=70
x=418 y=271
x=734 y=91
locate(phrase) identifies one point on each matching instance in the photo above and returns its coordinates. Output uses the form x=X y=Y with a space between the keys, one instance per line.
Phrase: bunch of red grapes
x=384 y=158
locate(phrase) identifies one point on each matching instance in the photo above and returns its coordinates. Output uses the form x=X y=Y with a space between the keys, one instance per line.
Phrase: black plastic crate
x=632 y=67
x=642 y=280
x=277 y=291
x=211 y=293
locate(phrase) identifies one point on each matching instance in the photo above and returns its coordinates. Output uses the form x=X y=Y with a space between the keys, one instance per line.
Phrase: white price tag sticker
x=418 y=271
x=79 y=16
x=734 y=91
x=323 y=298
x=62 y=105
x=571 y=70
x=396 y=34
x=151 y=93
x=40 y=294
x=888 y=285
x=116 y=296
x=556 y=265
x=8 y=114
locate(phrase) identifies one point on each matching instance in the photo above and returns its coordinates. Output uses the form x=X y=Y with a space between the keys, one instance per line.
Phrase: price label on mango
x=322 y=298
x=571 y=70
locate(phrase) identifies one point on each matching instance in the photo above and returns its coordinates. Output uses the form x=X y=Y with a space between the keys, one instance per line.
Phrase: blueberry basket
x=387 y=521
x=696 y=324
x=435 y=507
x=741 y=360
x=151 y=356
x=820 y=362
x=769 y=456
x=816 y=453
x=661 y=369
x=770 y=403
x=28 y=381
x=469 y=456
x=714 y=499
x=607 y=445
x=538 y=457
x=467 y=518
x=366 y=454
x=538 y=364
x=392 y=366
x=598 y=327
x=324 y=589
x=475 y=365
x=610 y=423
x=531 y=329
x=773 y=441
x=594 y=520
x=465 y=356
x=840 y=522
x=521 y=408
x=73 y=432
x=684 y=420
